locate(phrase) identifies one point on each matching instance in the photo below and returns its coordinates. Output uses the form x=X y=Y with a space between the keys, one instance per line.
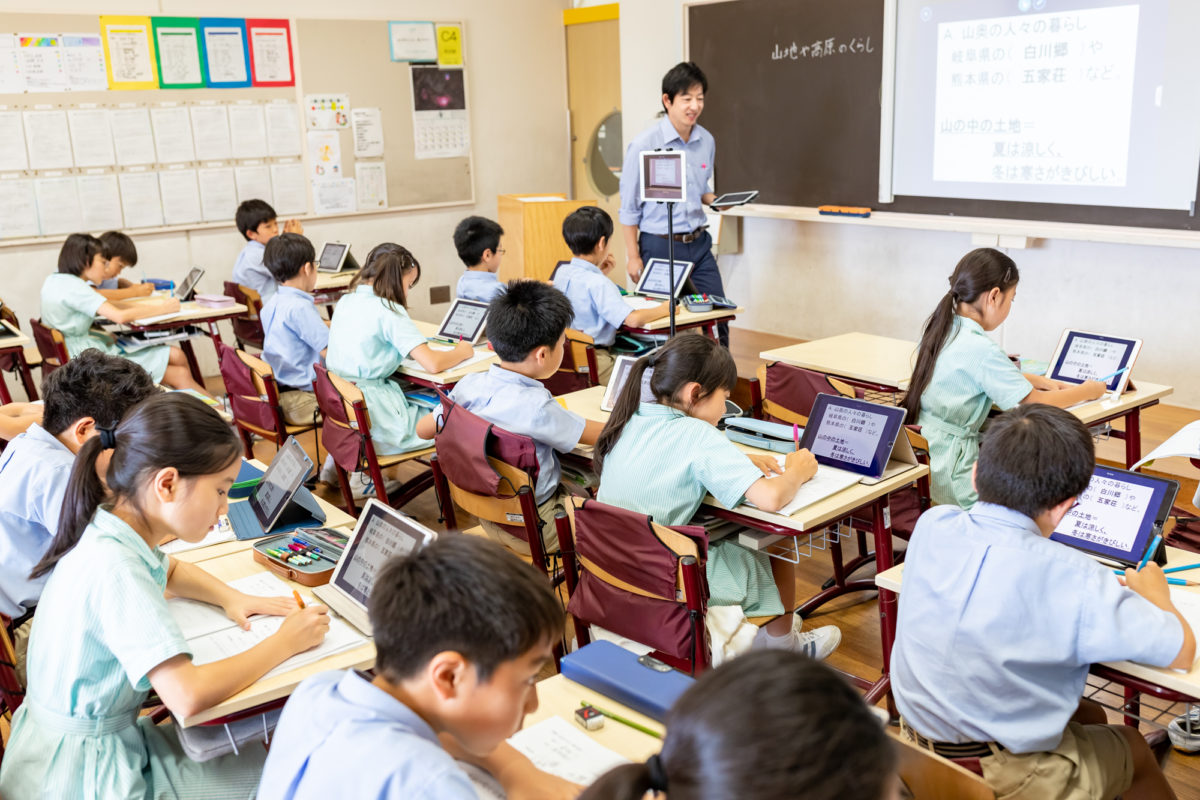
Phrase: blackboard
x=803 y=128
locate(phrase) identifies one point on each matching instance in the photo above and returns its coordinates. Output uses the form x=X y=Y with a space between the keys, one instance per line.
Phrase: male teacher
x=644 y=225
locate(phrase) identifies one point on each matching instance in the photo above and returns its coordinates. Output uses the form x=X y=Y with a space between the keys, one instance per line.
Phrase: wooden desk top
x=858 y=356
x=559 y=697
x=16 y=341
x=239 y=565
x=1187 y=683
x=452 y=375
x=683 y=317
x=191 y=311
x=334 y=280
x=586 y=403
x=1145 y=394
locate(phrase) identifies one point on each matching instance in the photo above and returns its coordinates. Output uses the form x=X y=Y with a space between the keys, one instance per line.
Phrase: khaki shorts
x=20 y=640
x=604 y=365
x=546 y=512
x=1091 y=761
x=298 y=408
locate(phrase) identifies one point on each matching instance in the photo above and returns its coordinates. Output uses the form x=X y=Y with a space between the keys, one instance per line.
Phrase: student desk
x=278 y=687
x=14 y=343
x=330 y=286
x=446 y=379
x=685 y=320
x=1168 y=684
x=870 y=500
x=878 y=363
x=192 y=313
x=559 y=697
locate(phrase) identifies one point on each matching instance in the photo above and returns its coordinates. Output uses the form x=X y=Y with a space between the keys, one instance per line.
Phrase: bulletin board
x=351 y=57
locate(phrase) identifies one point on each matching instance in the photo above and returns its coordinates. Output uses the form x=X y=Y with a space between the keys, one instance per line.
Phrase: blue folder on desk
x=618 y=673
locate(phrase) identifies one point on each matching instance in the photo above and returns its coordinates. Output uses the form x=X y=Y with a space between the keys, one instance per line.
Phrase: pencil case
x=642 y=683
x=294 y=555
x=774 y=436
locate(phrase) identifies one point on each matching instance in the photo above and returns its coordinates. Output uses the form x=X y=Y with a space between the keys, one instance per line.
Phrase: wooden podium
x=533 y=241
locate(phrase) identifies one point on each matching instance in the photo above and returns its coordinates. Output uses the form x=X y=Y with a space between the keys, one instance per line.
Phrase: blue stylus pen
x=1183 y=568
x=1172 y=581
x=1150 y=551
x=1112 y=375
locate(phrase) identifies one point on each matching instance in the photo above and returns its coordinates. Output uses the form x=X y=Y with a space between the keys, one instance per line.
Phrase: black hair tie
x=108 y=438
x=657 y=775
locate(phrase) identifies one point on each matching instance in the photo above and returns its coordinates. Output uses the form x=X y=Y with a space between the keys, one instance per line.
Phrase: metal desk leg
x=27 y=377
x=881 y=525
x=5 y=397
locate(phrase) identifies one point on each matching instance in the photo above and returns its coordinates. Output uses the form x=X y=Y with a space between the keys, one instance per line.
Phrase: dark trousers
x=705 y=275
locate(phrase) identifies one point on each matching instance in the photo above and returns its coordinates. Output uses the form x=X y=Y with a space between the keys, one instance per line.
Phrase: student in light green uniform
x=70 y=304
x=662 y=457
x=103 y=635
x=371 y=334
x=961 y=373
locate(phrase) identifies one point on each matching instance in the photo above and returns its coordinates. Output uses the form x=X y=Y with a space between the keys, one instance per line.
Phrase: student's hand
x=464 y=349
x=523 y=781
x=242 y=606
x=1095 y=389
x=170 y=305
x=142 y=290
x=802 y=461
x=634 y=267
x=304 y=628
x=1042 y=383
x=1151 y=583
x=293 y=226
x=608 y=263
x=766 y=464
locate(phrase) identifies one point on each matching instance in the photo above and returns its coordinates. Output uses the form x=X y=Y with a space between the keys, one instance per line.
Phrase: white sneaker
x=817 y=644
x=1185 y=731
x=328 y=472
x=361 y=485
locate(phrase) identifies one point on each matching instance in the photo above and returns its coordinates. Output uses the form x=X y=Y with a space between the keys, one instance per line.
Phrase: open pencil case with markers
x=307 y=556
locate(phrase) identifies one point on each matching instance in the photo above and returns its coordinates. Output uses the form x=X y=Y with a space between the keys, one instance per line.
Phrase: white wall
x=809 y=279
x=516 y=69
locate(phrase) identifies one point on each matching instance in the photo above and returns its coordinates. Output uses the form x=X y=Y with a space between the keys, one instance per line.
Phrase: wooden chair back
x=928 y=776
x=247 y=328
x=50 y=344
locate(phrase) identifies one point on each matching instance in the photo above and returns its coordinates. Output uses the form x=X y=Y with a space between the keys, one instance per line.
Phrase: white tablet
x=464 y=321
x=1083 y=356
x=334 y=257
x=616 y=380
x=656 y=278
x=731 y=199
x=663 y=174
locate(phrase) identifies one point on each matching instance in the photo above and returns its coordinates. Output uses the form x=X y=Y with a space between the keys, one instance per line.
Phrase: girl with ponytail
x=822 y=741
x=661 y=458
x=103 y=636
x=960 y=373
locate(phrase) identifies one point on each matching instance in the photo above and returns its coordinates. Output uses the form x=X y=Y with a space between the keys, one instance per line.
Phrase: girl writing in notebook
x=662 y=457
x=69 y=304
x=103 y=635
x=824 y=743
x=371 y=334
x=961 y=373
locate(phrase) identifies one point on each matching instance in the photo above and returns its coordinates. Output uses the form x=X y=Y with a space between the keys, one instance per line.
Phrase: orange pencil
x=296 y=595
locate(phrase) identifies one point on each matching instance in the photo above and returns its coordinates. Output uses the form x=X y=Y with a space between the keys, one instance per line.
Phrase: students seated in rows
x=15 y=419
x=961 y=373
x=526 y=326
x=823 y=742
x=477 y=240
x=257 y=223
x=89 y=392
x=120 y=252
x=104 y=635
x=294 y=335
x=371 y=334
x=661 y=458
x=599 y=306
x=69 y=305
x=448 y=683
x=998 y=625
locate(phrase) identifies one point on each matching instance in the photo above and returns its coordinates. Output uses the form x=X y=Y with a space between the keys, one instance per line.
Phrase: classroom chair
x=578 y=369
x=346 y=433
x=19 y=364
x=51 y=345
x=490 y=473
x=638 y=579
x=12 y=694
x=928 y=776
x=247 y=328
x=254 y=399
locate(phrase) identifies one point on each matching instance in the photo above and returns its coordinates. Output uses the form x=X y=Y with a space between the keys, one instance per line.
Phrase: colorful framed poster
x=270 y=52
x=129 y=52
x=179 y=54
x=226 y=52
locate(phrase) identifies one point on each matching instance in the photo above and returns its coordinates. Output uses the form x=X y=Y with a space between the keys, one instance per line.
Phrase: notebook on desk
x=381 y=532
x=279 y=502
x=1118 y=515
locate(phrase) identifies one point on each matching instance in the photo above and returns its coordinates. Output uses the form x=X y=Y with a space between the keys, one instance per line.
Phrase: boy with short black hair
x=119 y=251
x=477 y=240
x=451 y=681
x=526 y=326
x=294 y=335
x=256 y=221
x=998 y=625
x=89 y=392
x=599 y=307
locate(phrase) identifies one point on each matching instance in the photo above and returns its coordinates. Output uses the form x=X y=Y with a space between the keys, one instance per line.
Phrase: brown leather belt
x=952 y=750
x=685 y=238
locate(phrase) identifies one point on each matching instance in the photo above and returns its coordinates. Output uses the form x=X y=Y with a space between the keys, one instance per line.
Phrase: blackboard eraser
x=844 y=211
